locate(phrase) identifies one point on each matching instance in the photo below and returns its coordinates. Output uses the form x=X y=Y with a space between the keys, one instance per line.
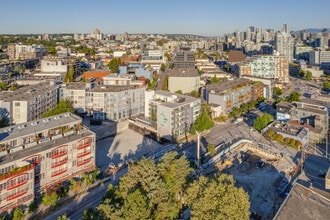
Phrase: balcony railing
x=83 y=154
x=18 y=183
x=17 y=194
x=16 y=172
x=59 y=172
x=81 y=146
x=59 y=163
x=83 y=162
x=59 y=154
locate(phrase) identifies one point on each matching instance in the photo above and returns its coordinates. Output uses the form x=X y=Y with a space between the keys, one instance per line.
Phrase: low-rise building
x=314 y=117
x=37 y=155
x=30 y=102
x=232 y=93
x=186 y=80
x=112 y=102
x=172 y=113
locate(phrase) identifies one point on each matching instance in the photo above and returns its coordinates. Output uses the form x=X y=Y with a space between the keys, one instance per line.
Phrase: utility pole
x=198 y=149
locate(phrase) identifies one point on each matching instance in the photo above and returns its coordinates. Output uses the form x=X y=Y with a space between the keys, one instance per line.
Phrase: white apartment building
x=30 y=102
x=114 y=102
x=37 y=155
x=173 y=113
x=285 y=45
x=154 y=58
x=320 y=57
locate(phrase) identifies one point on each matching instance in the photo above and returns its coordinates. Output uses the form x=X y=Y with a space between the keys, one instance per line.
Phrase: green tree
x=308 y=75
x=168 y=56
x=326 y=85
x=18 y=214
x=90 y=214
x=217 y=198
x=194 y=93
x=162 y=67
x=114 y=64
x=301 y=73
x=293 y=97
x=279 y=138
x=292 y=143
x=179 y=92
x=13 y=87
x=148 y=190
x=215 y=79
x=262 y=121
x=63 y=217
x=204 y=121
x=211 y=150
x=62 y=107
x=270 y=133
x=165 y=83
x=3 y=85
x=50 y=198
x=33 y=206
x=69 y=76
x=136 y=206
x=277 y=91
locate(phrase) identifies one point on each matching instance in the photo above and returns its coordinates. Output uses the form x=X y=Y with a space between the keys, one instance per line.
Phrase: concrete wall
x=185 y=84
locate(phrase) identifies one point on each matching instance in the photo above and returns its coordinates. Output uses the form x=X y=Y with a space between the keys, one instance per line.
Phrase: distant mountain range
x=315 y=30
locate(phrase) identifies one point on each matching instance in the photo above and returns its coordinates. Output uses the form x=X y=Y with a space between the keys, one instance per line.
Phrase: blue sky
x=204 y=17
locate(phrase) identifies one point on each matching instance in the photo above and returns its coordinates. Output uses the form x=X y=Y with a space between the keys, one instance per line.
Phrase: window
x=17 y=104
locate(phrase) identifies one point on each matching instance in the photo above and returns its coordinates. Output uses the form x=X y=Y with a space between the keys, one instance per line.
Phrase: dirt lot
x=262 y=177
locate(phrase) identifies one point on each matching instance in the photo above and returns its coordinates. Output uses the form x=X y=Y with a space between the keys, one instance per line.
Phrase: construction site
x=264 y=175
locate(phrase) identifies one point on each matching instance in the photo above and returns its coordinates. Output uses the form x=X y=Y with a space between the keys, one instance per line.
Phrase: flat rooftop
x=304 y=203
x=27 y=92
x=28 y=128
x=181 y=99
x=227 y=84
x=42 y=147
x=99 y=87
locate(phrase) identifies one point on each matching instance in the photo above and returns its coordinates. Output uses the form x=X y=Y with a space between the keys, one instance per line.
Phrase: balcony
x=82 y=146
x=17 y=194
x=59 y=154
x=59 y=163
x=59 y=172
x=83 y=162
x=82 y=154
x=18 y=183
x=16 y=172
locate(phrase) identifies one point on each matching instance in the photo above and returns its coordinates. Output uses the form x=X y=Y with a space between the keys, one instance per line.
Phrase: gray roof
x=99 y=87
x=191 y=72
x=303 y=203
x=27 y=92
x=23 y=153
x=227 y=84
x=27 y=128
x=181 y=99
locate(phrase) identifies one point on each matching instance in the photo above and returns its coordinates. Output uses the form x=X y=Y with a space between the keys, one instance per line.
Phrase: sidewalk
x=63 y=206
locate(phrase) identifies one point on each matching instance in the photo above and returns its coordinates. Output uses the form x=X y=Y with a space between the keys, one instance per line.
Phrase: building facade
x=285 y=45
x=265 y=66
x=23 y=52
x=112 y=102
x=30 y=102
x=172 y=113
x=320 y=57
x=37 y=155
x=233 y=93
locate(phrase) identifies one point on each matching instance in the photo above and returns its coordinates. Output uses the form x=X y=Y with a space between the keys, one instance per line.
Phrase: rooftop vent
x=21 y=126
x=46 y=120
x=34 y=123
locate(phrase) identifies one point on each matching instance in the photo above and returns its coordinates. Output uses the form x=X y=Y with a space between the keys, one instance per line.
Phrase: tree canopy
x=204 y=120
x=114 y=64
x=69 y=76
x=215 y=79
x=62 y=107
x=262 y=121
x=217 y=198
x=293 y=97
x=326 y=85
x=277 y=91
x=148 y=190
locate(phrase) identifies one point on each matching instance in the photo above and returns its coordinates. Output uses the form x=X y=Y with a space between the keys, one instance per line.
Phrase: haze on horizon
x=208 y=18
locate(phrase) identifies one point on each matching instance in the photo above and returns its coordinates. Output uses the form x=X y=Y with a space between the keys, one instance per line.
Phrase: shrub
x=279 y=138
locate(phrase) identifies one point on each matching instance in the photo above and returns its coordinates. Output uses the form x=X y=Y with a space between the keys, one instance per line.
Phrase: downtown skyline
x=207 y=18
